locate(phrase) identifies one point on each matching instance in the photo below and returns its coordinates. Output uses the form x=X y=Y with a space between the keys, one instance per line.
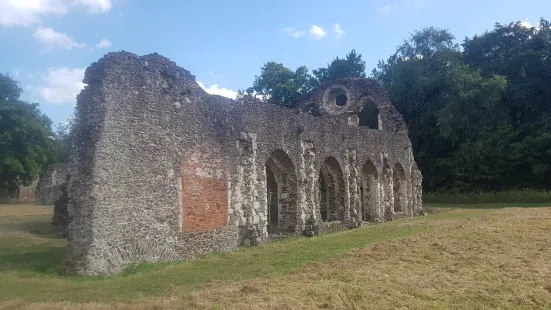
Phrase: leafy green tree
x=280 y=85
x=451 y=110
x=523 y=55
x=352 y=66
x=26 y=138
x=63 y=135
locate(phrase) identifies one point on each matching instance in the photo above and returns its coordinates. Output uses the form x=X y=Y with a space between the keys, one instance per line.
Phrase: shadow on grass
x=36 y=227
x=17 y=254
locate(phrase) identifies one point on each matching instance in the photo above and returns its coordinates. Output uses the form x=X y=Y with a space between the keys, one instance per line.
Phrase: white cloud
x=29 y=12
x=526 y=24
x=95 y=6
x=104 y=43
x=215 y=90
x=383 y=9
x=293 y=32
x=338 y=30
x=51 y=39
x=62 y=85
x=317 y=32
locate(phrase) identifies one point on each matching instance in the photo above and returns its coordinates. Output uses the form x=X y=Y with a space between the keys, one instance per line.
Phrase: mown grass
x=503 y=197
x=470 y=259
x=32 y=262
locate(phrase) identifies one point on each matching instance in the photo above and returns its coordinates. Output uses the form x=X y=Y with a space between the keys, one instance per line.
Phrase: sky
x=47 y=44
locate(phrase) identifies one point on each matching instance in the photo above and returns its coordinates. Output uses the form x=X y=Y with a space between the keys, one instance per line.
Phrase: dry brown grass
x=481 y=259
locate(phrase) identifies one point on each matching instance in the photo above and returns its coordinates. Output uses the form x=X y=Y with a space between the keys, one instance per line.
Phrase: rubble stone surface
x=161 y=170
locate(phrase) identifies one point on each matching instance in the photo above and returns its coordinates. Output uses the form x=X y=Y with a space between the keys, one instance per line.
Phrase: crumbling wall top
x=349 y=96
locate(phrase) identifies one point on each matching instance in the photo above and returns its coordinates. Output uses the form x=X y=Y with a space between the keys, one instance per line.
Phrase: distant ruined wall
x=161 y=170
x=48 y=188
x=22 y=195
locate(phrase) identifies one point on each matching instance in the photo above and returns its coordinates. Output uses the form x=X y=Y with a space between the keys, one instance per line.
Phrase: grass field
x=478 y=257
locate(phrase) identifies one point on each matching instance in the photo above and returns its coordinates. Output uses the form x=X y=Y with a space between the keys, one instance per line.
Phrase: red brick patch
x=204 y=194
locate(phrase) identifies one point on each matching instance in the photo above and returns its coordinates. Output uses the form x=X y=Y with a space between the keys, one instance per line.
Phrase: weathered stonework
x=60 y=220
x=48 y=188
x=161 y=170
x=20 y=195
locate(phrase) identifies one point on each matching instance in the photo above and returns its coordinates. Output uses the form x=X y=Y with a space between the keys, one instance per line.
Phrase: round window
x=341 y=100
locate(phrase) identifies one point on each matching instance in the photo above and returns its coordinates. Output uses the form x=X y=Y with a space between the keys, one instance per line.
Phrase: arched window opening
x=331 y=183
x=369 y=191
x=281 y=193
x=323 y=197
x=369 y=116
x=272 y=198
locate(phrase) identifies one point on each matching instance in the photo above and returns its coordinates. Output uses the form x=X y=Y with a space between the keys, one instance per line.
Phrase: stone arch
x=399 y=188
x=331 y=190
x=281 y=193
x=369 y=191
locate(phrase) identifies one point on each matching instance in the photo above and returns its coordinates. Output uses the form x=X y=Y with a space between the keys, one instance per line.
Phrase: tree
x=352 y=66
x=63 y=136
x=523 y=55
x=26 y=138
x=451 y=110
x=280 y=85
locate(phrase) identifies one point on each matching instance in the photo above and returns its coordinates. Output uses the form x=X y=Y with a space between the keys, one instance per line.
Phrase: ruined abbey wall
x=20 y=195
x=48 y=188
x=161 y=170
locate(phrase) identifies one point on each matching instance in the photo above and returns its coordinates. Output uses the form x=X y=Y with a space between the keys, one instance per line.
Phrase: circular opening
x=341 y=100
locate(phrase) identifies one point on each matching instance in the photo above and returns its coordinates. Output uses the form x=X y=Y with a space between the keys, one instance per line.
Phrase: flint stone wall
x=48 y=188
x=21 y=195
x=60 y=219
x=154 y=156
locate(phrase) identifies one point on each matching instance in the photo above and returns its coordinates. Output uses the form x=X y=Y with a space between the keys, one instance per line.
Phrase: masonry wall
x=23 y=195
x=164 y=171
x=48 y=188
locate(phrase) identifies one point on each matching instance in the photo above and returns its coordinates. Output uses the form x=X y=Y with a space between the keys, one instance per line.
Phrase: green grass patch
x=30 y=265
x=31 y=257
x=504 y=197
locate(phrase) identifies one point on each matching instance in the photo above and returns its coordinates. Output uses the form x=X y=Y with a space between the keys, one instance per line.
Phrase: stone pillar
x=307 y=184
x=387 y=197
x=353 y=214
x=253 y=214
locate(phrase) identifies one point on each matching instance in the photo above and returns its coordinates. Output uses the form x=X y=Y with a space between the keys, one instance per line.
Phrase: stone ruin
x=48 y=188
x=160 y=170
x=43 y=191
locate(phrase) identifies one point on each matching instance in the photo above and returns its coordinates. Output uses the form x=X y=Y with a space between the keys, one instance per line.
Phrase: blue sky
x=47 y=44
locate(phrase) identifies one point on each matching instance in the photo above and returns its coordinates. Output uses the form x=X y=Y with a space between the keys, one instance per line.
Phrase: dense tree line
x=479 y=113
